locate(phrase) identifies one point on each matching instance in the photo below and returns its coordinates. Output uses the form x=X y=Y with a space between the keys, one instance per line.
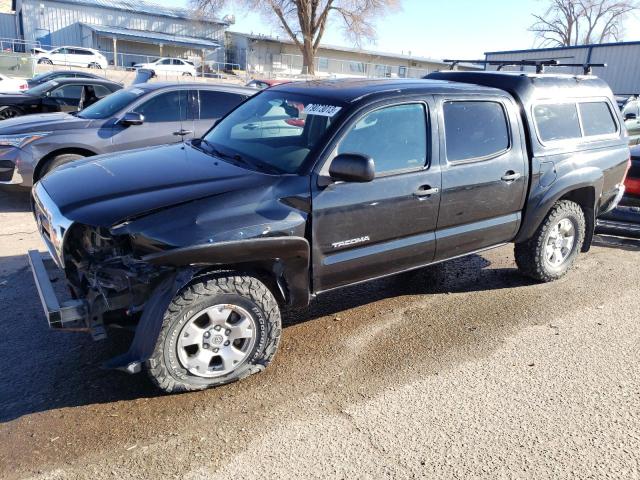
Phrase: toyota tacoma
x=308 y=187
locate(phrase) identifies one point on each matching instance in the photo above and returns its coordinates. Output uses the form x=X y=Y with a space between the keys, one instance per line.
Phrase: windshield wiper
x=236 y=157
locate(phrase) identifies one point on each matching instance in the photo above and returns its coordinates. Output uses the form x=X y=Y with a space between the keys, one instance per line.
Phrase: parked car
x=72 y=57
x=202 y=244
x=138 y=116
x=63 y=95
x=625 y=219
x=264 y=83
x=12 y=85
x=57 y=74
x=631 y=116
x=174 y=66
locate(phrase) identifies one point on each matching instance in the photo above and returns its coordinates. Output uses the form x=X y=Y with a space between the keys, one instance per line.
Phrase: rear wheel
x=10 y=112
x=187 y=74
x=552 y=250
x=58 y=160
x=216 y=331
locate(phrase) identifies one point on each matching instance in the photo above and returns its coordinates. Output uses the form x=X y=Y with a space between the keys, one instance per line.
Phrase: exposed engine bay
x=101 y=269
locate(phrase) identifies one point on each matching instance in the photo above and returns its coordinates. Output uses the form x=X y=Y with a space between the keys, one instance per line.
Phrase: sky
x=435 y=29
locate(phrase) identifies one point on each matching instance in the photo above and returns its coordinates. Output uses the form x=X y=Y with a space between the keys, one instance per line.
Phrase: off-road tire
x=529 y=255
x=163 y=366
x=57 y=161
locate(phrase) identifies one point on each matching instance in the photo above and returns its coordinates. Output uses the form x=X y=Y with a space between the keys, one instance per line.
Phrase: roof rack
x=539 y=64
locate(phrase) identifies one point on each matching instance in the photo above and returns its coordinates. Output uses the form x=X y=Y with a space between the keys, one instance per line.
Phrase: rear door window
x=101 y=91
x=597 y=119
x=216 y=104
x=557 y=121
x=68 y=91
x=475 y=130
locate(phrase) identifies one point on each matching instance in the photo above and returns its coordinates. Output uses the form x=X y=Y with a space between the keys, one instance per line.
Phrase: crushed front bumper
x=68 y=314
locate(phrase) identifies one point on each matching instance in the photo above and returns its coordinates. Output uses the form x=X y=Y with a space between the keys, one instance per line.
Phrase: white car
x=72 y=57
x=174 y=66
x=12 y=85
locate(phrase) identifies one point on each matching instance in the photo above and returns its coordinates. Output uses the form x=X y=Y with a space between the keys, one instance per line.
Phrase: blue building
x=135 y=30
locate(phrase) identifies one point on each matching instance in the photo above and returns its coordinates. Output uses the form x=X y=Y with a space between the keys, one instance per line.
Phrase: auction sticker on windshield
x=322 y=110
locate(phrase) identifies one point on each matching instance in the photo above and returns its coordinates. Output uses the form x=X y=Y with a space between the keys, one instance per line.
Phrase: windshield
x=111 y=104
x=274 y=129
x=42 y=88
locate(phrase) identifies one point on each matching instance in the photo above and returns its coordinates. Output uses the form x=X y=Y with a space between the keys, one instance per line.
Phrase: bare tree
x=578 y=22
x=305 y=21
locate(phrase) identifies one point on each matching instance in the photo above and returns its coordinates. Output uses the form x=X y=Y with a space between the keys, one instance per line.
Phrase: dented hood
x=108 y=189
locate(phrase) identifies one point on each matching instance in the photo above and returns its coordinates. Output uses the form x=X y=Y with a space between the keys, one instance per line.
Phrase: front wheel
x=552 y=250
x=95 y=65
x=187 y=74
x=45 y=61
x=58 y=160
x=10 y=112
x=215 y=331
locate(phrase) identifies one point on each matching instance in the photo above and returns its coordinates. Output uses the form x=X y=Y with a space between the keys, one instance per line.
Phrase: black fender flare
x=287 y=258
x=541 y=202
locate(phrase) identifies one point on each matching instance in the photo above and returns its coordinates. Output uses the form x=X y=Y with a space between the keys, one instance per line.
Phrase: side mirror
x=630 y=116
x=132 y=118
x=352 y=167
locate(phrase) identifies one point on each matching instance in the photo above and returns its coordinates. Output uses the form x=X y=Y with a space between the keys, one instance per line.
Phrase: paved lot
x=490 y=377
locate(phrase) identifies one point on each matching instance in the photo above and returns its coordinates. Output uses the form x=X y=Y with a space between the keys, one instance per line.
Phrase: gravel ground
x=490 y=376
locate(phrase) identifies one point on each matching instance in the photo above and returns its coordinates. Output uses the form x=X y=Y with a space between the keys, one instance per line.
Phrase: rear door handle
x=510 y=176
x=425 y=191
x=183 y=132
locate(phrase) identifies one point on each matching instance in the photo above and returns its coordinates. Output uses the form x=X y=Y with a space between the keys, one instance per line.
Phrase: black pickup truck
x=309 y=187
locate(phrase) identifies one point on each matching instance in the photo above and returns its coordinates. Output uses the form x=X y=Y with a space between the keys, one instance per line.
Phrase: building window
x=323 y=64
x=357 y=67
x=382 y=71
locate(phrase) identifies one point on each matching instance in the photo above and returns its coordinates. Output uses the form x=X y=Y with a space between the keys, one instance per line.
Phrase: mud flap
x=148 y=329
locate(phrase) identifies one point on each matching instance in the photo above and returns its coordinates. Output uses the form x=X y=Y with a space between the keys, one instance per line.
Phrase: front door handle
x=510 y=176
x=183 y=132
x=425 y=191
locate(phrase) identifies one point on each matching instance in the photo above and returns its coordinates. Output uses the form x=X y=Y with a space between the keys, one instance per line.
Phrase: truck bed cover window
x=557 y=121
x=395 y=137
x=474 y=129
x=597 y=119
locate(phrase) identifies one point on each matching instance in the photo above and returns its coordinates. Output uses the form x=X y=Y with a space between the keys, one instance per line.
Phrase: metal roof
x=374 y=53
x=146 y=7
x=154 y=37
x=571 y=47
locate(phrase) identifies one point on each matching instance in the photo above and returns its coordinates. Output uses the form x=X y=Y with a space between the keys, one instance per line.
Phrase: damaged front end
x=102 y=283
